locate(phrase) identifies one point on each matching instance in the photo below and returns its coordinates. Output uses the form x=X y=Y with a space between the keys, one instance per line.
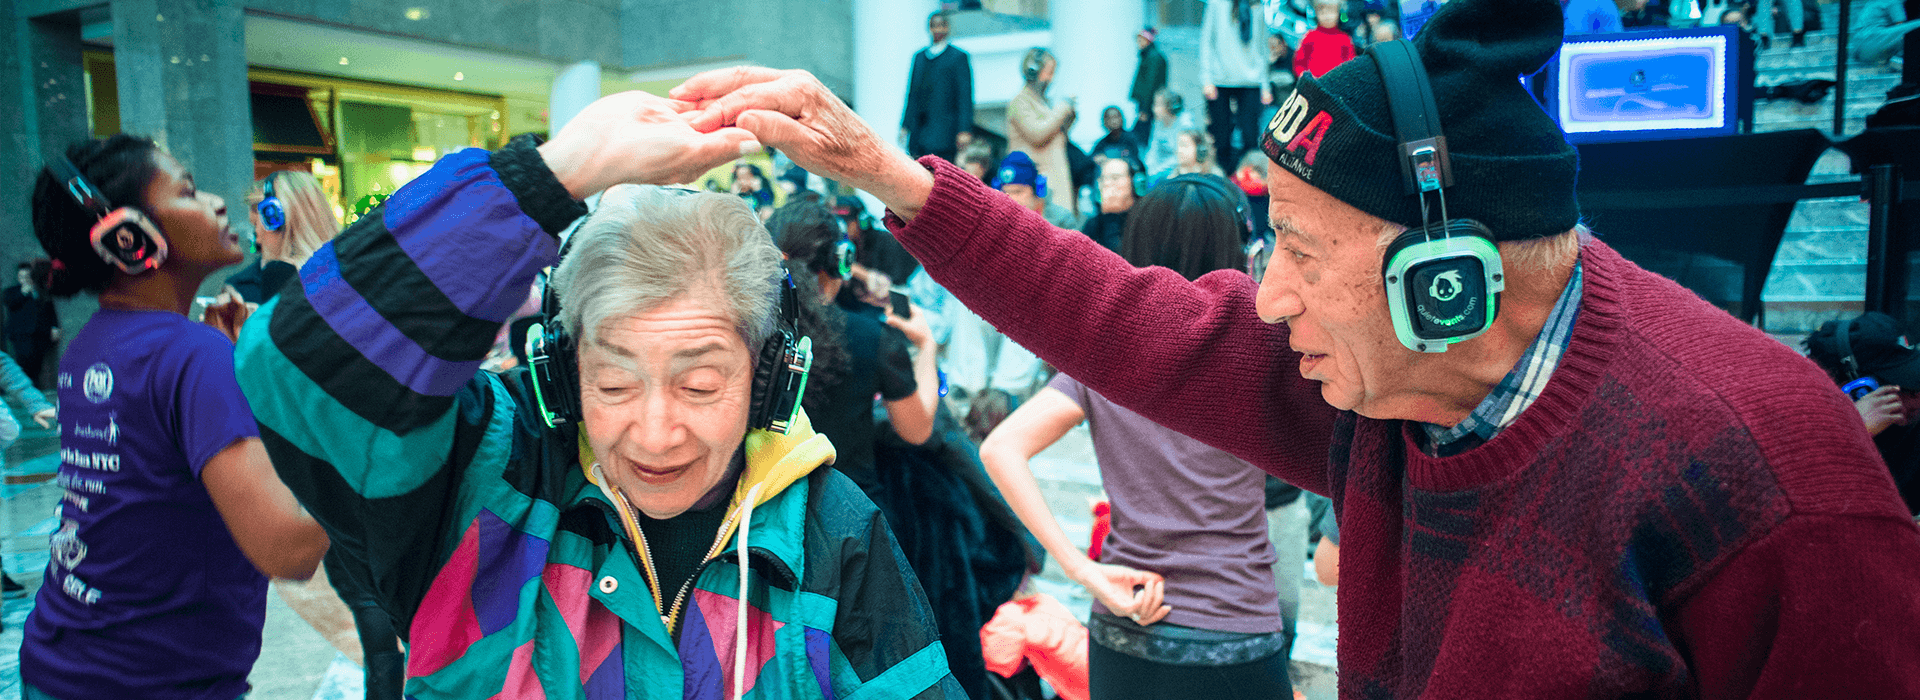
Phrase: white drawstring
x=740 y=624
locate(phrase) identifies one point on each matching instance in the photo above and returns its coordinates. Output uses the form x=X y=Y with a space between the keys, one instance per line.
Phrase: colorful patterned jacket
x=512 y=572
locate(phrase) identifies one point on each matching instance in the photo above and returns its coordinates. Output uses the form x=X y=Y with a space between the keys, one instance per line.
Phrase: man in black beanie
x=1615 y=490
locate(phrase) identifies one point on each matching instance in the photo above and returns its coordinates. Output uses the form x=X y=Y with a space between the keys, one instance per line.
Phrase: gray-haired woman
x=628 y=517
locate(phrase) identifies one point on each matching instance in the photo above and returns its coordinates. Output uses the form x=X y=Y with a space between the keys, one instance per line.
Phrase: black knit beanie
x=1512 y=168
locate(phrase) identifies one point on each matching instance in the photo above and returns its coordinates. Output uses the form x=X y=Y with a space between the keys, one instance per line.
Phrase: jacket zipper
x=669 y=617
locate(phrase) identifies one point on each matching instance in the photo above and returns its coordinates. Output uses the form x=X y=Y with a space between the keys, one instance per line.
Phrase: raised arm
x=356 y=373
x=1193 y=356
x=912 y=415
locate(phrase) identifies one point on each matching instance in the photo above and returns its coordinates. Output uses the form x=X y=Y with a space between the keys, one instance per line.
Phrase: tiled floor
x=296 y=663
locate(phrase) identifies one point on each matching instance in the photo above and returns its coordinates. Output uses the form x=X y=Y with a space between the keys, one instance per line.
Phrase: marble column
x=1095 y=44
x=182 y=75
x=45 y=110
x=575 y=87
x=886 y=33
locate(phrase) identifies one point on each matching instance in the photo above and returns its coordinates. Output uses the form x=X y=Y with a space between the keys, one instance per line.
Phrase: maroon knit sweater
x=1689 y=510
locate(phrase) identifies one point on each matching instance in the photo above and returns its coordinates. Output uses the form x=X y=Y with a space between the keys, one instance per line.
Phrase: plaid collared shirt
x=1520 y=387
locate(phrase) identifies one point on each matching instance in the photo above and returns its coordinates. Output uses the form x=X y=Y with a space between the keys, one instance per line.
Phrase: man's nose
x=1277 y=300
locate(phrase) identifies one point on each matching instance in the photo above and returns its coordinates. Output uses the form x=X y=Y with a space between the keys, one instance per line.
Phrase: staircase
x=1819 y=272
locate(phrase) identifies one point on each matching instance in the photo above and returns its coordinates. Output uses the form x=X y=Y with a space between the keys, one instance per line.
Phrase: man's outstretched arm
x=1193 y=356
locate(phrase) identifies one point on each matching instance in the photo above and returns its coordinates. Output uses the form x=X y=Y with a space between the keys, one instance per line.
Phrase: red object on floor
x=1040 y=630
x=1102 y=524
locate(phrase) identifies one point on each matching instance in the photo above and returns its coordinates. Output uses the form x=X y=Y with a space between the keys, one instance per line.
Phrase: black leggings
x=1237 y=109
x=1116 y=676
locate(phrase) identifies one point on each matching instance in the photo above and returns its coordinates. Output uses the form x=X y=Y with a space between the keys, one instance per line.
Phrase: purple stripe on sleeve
x=453 y=229
x=509 y=559
x=373 y=336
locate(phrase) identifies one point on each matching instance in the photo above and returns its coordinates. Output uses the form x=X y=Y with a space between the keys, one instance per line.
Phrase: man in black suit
x=33 y=328
x=939 y=111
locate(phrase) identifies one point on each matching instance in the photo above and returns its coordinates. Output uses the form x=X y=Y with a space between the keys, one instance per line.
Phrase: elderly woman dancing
x=642 y=512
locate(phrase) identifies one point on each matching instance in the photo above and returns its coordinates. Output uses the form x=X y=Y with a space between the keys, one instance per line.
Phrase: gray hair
x=645 y=246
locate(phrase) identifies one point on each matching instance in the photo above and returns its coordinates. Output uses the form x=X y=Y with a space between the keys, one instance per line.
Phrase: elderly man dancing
x=1558 y=474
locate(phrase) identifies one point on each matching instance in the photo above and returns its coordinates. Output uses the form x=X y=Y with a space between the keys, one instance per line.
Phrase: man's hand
x=1210 y=92
x=45 y=418
x=634 y=137
x=1881 y=409
x=790 y=110
x=1114 y=586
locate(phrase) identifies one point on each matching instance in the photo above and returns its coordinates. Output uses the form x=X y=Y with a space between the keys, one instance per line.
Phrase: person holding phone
x=860 y=351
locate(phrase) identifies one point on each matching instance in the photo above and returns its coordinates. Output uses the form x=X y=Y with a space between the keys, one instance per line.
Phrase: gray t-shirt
x=1186 y=511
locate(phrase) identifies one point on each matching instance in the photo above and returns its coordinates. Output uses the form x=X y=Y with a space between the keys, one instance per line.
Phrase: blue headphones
x=273 y=215
x=1858 y=386
x=1006 y=176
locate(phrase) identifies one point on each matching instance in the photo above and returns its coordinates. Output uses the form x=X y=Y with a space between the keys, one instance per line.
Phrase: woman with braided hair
x=172 y=517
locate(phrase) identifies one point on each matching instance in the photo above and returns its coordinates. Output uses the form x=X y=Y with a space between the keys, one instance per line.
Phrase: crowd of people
x=749 y=439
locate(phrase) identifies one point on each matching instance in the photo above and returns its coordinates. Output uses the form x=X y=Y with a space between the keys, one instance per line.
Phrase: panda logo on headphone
x=1446 y=286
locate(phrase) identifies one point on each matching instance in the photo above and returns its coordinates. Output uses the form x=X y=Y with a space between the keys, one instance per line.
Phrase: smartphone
x=902 y=304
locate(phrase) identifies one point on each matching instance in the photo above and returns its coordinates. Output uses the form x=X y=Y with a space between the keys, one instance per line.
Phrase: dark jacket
x=1150 y=77
x=30 y=318
x=260 y=283
x=939 y=101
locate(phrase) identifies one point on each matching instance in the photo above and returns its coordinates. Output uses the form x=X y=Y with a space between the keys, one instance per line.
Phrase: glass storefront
x=357 y=137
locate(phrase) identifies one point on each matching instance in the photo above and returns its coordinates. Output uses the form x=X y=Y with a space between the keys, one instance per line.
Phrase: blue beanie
x=1018 y=169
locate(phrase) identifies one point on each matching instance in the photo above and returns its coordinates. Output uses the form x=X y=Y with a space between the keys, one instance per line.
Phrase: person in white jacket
x=1233 y=75
x=15 y=383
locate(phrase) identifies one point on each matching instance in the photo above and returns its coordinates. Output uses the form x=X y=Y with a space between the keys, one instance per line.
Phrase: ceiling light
x=459 y=76
x=343 y=60
x=417 y=13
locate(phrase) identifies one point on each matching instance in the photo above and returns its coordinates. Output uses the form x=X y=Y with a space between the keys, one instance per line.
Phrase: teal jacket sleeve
x=363 y=376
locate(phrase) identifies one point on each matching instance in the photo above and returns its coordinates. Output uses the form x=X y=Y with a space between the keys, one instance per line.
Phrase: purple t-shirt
x=147 y=595
x=1189 y=512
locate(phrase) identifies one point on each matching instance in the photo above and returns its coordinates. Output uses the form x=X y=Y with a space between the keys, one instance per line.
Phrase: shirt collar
x=935 y=50
x=1522 y=385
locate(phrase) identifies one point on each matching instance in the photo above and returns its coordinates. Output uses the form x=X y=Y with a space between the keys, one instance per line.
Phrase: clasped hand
x=634 y=137
x=1115 y=586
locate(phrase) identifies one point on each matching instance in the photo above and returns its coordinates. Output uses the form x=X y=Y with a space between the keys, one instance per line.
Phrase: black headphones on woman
x=1035 y=60
x=779 y=374
x=123 y=236
x=842 y=259
x=1443 y=278
x=1241 y=210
